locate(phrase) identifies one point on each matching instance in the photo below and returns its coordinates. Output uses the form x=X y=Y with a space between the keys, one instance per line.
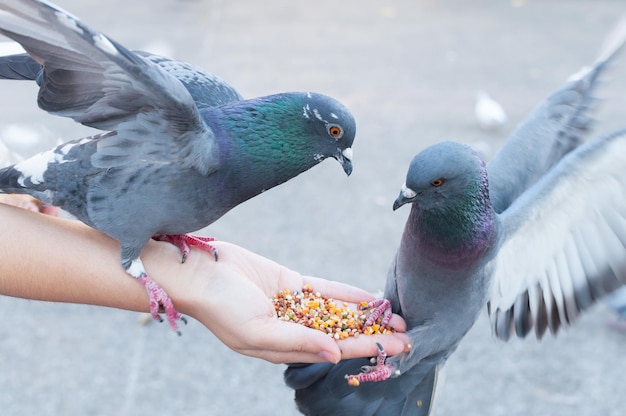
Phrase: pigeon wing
x=553 y=129
x=563 y=243
x=206 y=89
x=97 y=82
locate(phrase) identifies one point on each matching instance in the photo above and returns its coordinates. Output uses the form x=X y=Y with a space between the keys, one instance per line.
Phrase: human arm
x=29 y=203
x=59 y=260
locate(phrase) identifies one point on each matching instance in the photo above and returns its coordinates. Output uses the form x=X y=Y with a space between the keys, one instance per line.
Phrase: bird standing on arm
x=180 y=147
x=538 y=235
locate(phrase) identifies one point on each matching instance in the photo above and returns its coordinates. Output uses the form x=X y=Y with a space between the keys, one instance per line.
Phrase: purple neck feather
x=458 y=234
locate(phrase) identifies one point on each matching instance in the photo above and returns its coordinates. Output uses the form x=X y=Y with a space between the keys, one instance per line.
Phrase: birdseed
x=336 y=319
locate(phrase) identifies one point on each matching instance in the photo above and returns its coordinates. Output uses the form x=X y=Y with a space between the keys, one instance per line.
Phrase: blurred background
x=409 y=70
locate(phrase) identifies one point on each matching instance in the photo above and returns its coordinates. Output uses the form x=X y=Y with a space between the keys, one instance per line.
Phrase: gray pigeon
x=180 y=147
x=539 y=235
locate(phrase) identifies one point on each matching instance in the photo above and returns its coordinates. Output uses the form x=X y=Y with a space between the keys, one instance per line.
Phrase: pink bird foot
x=379 y=307
x=185 y=241
x=378 y=372
x=159 y=299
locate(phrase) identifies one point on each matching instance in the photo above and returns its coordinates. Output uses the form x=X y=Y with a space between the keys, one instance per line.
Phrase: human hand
x=232 y=297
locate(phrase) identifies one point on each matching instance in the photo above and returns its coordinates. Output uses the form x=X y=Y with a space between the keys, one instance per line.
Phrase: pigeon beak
x=406 y=195
x=345 y=158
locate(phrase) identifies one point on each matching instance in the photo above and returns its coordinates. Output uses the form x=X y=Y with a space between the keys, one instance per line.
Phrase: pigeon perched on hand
x=180 y=147
x=539 y=234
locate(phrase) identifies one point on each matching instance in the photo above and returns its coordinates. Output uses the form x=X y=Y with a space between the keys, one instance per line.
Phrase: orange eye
x=335 y=131
x=437 y=182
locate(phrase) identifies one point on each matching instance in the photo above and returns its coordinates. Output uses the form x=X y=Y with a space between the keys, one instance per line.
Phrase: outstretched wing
x=101 y=84
x=564 y=242
x=206 y=89
x=553 y=129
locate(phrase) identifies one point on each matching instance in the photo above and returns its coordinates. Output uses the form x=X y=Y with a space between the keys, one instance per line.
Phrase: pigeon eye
x=335 y=131
x=437 y=182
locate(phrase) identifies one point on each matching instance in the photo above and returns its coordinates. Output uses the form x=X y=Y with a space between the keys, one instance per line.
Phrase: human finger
x=283 y=342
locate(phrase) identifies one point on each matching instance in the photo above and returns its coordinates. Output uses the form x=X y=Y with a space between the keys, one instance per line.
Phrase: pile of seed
x=319 y=312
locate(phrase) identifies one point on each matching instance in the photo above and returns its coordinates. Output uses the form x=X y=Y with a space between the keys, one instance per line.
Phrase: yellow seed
x=353 y=381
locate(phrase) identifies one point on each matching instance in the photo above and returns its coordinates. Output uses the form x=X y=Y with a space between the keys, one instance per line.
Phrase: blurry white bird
x=489 y=113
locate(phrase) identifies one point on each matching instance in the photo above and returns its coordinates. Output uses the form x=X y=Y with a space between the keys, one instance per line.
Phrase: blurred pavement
x=409 y=70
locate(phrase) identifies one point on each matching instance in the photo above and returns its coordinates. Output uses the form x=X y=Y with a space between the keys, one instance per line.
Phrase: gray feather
x=558 y=125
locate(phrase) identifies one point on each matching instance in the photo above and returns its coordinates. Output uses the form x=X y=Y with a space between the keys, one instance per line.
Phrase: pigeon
x=538 y=235
x=178 y=149
x=489 y=113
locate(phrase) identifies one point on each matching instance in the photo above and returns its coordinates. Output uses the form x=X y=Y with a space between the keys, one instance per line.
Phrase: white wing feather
x=564 y=242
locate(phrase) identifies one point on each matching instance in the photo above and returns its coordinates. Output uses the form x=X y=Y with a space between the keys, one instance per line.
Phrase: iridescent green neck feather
x=461 y=230
x=269 y=140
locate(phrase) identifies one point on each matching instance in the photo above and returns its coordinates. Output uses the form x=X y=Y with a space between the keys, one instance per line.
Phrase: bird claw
x=375 y=373
x=185 y=241
x=379 y=307
x=159 y=299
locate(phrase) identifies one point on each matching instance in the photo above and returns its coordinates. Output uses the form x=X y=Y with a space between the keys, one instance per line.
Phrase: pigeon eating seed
x=180 y=147
x=538 y=234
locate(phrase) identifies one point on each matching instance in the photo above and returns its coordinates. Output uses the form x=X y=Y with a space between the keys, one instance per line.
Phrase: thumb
x=287 y=342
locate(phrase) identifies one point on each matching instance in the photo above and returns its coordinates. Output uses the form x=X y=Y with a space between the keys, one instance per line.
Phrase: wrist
x=183 y=282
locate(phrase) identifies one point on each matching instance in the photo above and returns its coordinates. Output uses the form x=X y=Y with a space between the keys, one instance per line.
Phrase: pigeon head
x=266 y=141
x=288 y=132
x=451 y=213
x=442 y=174
x=332 y=127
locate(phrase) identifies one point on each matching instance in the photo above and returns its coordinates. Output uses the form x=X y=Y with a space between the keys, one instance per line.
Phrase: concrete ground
x=409 y=70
